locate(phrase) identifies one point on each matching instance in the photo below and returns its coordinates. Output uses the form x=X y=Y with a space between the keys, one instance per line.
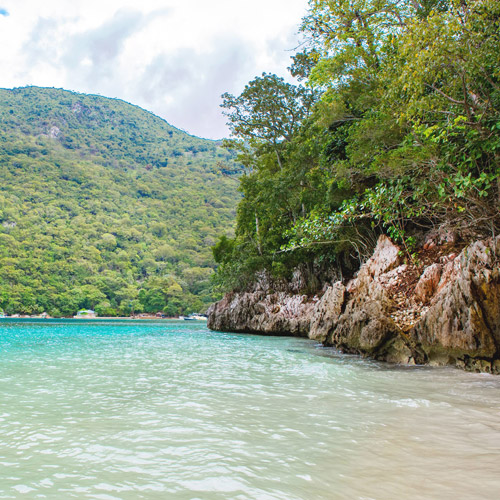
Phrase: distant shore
x=141 y=317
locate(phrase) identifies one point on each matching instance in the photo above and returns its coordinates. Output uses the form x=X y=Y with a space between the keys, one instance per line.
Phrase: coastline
x=443 y=311
x=120 y=318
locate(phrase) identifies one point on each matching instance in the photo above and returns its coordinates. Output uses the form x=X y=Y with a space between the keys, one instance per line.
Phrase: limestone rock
x=365 y=325
x=327 y=312
x=386 y=256
x=445 y=313
x=428 y=283
x=278 y=313
x=462 y=325
x=439 y=237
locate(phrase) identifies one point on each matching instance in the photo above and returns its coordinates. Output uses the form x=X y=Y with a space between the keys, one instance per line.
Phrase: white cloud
x=172 y=57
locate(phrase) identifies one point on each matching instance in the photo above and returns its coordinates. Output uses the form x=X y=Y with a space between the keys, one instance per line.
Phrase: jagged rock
x=365 y=325
x=462 y=325
x=440 y=236
x=451 y=316
x=366 y=328
x=428 y=283
x=327 y=312
x=278 y=313
x=392 y=278
x=385 y=258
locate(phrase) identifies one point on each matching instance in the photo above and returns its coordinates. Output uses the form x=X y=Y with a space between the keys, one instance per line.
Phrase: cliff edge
x=443 y=310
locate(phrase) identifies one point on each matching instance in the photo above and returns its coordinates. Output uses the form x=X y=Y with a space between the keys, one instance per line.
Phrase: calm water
x=169 y=410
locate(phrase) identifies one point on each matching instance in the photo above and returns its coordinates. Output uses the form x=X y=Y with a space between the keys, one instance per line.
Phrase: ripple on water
x=128 y=410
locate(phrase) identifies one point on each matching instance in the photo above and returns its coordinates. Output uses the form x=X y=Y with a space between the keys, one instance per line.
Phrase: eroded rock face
x=428 y=283
x=265 y=313
x=365 y=325
x=462 y=324
x=326 y=312
x=445 y=313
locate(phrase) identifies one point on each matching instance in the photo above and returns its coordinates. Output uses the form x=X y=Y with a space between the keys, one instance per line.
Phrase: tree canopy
x=401 y=134
x=106 y=206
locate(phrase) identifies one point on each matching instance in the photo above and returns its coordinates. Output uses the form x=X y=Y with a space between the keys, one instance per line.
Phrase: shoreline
x=148 y=318
x=442 y=311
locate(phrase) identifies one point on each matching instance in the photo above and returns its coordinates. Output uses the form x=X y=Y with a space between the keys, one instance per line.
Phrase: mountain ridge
x=120 y=192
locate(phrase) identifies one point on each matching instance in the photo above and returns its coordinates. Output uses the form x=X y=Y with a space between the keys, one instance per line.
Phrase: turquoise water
x=170 y=410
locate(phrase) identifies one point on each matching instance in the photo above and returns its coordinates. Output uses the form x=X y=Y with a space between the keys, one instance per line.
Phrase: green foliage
x=100 y=201
x=266 y=115
x=426 y=152
x=405 y=136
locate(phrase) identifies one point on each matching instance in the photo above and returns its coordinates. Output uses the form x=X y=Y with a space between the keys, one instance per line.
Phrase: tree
x=268 y=113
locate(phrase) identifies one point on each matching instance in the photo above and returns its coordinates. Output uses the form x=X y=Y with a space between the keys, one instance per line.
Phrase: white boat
x=193 y=317
x=199 y=317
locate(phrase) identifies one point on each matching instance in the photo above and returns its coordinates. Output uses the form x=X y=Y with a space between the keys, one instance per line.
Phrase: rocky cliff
x=444 y=309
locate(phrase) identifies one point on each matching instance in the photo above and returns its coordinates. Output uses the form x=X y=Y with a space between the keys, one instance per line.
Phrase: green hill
x=104 y=205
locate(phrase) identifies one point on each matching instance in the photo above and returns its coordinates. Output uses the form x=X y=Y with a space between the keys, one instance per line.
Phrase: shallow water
x=169 y=410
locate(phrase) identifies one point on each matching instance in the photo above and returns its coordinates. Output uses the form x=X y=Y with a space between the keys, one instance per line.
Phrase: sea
x=105 y=409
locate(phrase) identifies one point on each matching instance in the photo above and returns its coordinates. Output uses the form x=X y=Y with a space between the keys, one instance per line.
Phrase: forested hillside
x=394 y=128
x=104 y=205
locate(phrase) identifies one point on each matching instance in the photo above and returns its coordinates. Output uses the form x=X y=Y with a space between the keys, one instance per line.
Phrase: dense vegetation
x=106 y=206
x=394 y=127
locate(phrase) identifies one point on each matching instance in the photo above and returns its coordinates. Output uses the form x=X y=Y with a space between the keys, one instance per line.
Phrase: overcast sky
x=172 y=57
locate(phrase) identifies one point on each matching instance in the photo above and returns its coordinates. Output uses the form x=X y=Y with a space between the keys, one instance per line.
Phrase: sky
x=172 y=57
